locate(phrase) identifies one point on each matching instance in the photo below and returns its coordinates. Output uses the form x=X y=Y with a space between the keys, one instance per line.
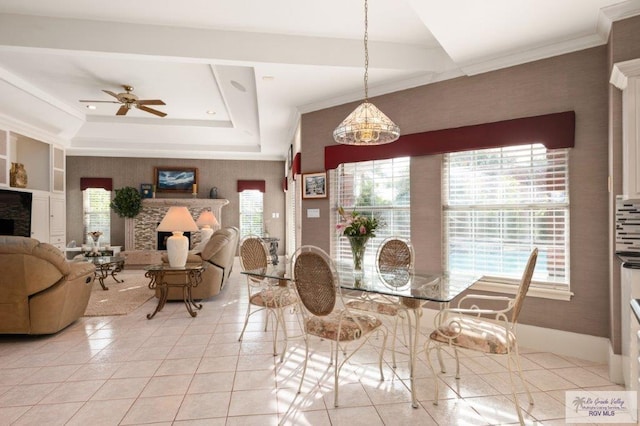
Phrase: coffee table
x=105 y=266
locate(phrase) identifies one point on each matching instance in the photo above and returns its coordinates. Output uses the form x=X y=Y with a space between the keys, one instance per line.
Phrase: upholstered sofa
x=217 y=258
x=40 y=291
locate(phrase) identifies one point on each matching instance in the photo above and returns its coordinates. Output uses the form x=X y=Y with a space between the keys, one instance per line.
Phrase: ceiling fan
x=129 y=100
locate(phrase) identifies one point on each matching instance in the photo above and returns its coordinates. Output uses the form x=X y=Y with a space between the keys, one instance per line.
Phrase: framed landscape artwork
x=314 y=185
x=175 y=179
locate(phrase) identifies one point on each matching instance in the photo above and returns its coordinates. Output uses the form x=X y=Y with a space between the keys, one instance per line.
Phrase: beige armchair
x=40 y=291
x=217 y=257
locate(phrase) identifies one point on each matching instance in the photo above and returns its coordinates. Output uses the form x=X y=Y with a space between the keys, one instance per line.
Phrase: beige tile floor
x=174 y=369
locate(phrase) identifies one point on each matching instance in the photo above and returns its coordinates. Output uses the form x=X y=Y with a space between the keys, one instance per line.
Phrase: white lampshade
x=177 y=220
x=205 y=221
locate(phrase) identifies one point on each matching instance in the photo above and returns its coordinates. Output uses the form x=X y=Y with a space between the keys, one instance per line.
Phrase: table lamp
x=205 y=221
x=177 y=220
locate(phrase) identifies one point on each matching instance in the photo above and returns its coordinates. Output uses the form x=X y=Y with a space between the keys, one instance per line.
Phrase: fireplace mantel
x=140 y=232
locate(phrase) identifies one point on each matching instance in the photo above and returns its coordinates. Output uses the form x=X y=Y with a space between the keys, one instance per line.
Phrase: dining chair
x=324 y=313
x=264 y=294
x=492 y=331
x=394 y=254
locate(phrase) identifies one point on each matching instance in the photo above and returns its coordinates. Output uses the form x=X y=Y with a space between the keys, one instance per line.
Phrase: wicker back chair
x=468 y=327
x=264 y=294
x=395 y=254
x=324 y=314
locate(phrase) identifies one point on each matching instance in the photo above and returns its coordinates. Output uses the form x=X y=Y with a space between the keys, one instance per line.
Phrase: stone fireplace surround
x=140 y=232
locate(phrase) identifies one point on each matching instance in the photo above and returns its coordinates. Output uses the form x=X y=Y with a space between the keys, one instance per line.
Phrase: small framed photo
x=176 y=179
x=290 y=157
x=314 y=185
x=146 y=190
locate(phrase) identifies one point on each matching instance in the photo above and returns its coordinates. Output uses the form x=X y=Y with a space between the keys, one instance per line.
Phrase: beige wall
x=578 y=82
x=222 y=174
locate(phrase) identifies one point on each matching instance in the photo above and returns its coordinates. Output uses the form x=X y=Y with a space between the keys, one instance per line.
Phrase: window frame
x=340 y=248
x=553 y=289
x=259 y=214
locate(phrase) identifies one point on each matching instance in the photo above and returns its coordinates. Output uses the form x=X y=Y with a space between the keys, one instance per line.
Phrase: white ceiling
x=258 y=64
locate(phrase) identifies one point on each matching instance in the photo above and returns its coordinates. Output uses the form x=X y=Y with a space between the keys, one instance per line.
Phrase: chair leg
x=441 y=360
x=246 y=321
x=384 y=344
x=304 y=364
x=516 y=361
x=455 y=351
x=427 y=352
x=284 y=332
x=393 y=343
x=522 y=379
x=513 y=390
x=336 y=373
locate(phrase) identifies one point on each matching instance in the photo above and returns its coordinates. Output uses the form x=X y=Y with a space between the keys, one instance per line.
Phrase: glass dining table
x=409 y=290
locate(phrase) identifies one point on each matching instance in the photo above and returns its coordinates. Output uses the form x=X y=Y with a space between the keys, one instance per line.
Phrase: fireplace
x=140 y=232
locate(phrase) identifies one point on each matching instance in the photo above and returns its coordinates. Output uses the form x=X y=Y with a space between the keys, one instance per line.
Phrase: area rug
x=121 y=298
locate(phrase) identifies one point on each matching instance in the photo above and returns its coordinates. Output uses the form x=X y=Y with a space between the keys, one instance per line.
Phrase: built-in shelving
x=44 y=163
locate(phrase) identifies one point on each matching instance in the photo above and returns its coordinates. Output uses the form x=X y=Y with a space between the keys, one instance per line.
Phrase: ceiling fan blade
x=150 y=102
x=152 y=111
x=109 y=92
x=123 y=110
x=99 y=102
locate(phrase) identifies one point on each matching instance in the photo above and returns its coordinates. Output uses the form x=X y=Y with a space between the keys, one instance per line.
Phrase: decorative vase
x=18 y=176
x=358 y=246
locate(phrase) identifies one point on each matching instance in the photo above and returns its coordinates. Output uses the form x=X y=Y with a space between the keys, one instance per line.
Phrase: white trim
x=540 y=291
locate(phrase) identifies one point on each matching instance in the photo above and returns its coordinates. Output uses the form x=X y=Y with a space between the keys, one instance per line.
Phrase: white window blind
x=96 y=214
x=291 y=215
x=379 y=188
x=501 y=203
x=251 y=209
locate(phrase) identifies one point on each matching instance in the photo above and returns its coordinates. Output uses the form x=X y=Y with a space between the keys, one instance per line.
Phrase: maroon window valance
x=245 y=185
x=87 y=182
x=552 y=130
x=296 y=167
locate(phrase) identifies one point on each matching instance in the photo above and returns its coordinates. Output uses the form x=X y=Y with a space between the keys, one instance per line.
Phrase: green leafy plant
x=127 y=202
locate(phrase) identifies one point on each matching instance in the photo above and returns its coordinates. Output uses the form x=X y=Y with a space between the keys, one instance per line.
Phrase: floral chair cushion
x=373 y=306
x=476 y=335
x=273 y=297
x=327 y=326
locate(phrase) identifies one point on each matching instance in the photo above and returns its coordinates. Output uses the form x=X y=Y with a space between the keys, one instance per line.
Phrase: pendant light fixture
x=366 y=125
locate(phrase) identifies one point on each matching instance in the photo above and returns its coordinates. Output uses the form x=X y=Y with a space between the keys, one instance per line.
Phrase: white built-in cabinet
x=45 y=166
x=626 y=77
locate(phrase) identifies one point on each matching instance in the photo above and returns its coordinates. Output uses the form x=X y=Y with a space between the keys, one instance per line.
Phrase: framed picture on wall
x=314 y=185
x=176 y=179
x=290 y=157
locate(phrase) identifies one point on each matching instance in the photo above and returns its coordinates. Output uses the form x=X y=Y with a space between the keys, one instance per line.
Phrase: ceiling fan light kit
x=366 y=125
x=129 y=100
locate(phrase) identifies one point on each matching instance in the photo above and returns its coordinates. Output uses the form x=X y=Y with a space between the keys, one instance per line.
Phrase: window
x=380 y=188
x=97 y=214
x=251 y=207
x=499 y=204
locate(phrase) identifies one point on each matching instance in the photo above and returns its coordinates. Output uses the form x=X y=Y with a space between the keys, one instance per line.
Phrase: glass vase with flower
x=358 y=228
x=95 y=240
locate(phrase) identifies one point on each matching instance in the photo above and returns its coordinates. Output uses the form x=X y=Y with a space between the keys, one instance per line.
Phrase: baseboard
x=615 y=367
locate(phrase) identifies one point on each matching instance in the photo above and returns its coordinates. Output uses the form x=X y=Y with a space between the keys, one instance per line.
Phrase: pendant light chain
x=366 y=51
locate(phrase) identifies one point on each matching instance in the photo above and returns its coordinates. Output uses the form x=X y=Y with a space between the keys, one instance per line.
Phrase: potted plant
x=127 y=202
